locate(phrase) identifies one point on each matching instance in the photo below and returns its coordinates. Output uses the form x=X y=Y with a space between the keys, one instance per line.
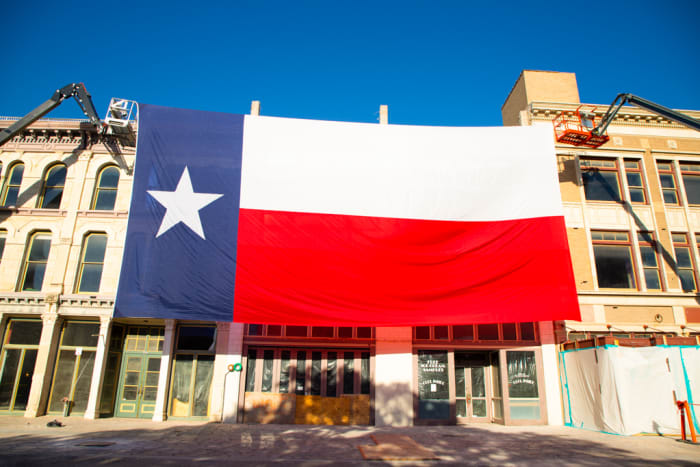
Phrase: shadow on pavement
x=216 y=444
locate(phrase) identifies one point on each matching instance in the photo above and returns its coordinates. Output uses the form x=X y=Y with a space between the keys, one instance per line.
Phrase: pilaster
x=550 y=364
x=232 y=355
x=93 y=407
x=41 y=380
x=159 y=414
x=393 y=377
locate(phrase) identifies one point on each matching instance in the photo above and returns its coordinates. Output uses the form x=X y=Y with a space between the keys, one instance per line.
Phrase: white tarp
x=628 y=390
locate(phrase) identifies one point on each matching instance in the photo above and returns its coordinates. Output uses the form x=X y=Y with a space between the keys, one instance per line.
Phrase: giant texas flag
x=285 y=221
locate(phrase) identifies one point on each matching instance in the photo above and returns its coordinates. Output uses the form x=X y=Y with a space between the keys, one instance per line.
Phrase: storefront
x=19 y=350
x=307 y=375
x=482 y=373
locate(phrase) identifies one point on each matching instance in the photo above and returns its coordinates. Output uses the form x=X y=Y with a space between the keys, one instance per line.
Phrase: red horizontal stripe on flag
x=337 y=270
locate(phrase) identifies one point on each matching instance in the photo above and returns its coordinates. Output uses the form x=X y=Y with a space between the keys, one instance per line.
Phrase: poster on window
x=433 y=381
x=522 y=374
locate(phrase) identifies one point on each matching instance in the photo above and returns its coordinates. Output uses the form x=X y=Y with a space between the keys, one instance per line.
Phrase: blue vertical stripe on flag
x=180 y=252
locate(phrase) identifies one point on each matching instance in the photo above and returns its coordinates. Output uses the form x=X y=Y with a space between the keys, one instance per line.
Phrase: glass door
x=140 y=370
x=472 y=397
x=17 y=363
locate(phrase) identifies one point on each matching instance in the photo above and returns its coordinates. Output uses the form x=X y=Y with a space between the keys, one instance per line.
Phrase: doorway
x=473 y=387
x=140 y=371
x=17 y=363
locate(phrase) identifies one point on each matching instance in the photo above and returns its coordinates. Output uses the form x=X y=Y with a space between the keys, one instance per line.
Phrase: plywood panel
x=269 y=408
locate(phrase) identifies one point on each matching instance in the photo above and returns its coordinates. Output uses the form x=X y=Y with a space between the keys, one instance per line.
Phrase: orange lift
x=583 y=128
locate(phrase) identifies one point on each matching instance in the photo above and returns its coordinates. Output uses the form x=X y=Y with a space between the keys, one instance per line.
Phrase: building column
x=41 y=380
x=393 y=381
x=231 y=354
x=93 y=406
x=550 y=364
x=159 y=414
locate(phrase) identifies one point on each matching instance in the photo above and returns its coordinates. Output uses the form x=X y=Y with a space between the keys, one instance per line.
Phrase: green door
x=140 y=369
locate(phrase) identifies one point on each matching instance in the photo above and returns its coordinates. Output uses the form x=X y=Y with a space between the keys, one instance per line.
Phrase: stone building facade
x=63 y=214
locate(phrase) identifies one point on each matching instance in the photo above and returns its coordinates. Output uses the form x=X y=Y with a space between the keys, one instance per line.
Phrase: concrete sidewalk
x=116 y=441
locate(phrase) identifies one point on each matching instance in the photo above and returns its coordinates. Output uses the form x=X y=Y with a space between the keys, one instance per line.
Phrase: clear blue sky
x=433 y=62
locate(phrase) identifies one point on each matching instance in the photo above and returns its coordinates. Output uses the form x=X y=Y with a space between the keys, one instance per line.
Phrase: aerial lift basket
x=577 y=129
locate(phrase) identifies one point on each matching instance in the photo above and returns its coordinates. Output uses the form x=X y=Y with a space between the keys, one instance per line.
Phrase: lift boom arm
x=625 y=98
x=75 y=90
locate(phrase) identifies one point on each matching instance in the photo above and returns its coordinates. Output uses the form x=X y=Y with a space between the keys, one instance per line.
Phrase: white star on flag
x=183 y=205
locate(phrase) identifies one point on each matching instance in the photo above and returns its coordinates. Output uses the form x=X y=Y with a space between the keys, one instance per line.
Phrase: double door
x=472 y=386
x=140 y=371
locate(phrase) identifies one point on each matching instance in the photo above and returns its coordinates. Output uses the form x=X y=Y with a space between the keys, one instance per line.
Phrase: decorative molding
x=104 y=214
x=675 y=217
x=573 y=215
x=22 y=298
x=607 y=217
x=35 y=211
x=86 y=301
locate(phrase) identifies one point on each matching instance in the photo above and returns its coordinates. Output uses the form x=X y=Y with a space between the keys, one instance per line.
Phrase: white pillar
x=552 y=389
x=232 y=379
x=41 y=380
x=93 y=406
x=159 y=414
x=393 y=381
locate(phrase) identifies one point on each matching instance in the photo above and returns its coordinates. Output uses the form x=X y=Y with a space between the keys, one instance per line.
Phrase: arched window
x=91 y=263
x=106 y=189
x=13 y=180
x=52 y=191
x=35 y=259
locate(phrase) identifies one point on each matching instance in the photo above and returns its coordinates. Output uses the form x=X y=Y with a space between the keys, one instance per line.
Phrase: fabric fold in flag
x=303 y=222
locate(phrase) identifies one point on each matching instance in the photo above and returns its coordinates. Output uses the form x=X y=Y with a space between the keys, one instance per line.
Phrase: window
x=684 y=261
x=73 y=372
x=52 y=190
x=613 y=260
x=316 y=372
x=635 y=181
x=650 y=260
x=667 y=177
x=13 y=181
x=20 y=347
x=193 y=369
x=106 y=189
x=484 y=332
x=35 y=261
x=91 y=263
x=690 y=172
x=600 y=179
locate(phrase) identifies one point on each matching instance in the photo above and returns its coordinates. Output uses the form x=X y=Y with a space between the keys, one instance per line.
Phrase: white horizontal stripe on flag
x=410 y=172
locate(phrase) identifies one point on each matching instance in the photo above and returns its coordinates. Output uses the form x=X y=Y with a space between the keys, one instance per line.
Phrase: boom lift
x=584 y=129
x=116 y=124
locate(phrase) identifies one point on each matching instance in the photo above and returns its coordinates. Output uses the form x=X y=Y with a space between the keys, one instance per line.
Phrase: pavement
x=126 y=442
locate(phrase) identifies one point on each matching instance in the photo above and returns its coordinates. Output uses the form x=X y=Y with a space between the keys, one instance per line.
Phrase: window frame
x=685 y=244
x=45 y=185
x=9 y=185
x=672 y=172
x=26 y=262
x=635 y=170
x=691 y=173
x=98 y=188
x=650 y=242
x=82 y=263
x=615 y=242
x=585 y=165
